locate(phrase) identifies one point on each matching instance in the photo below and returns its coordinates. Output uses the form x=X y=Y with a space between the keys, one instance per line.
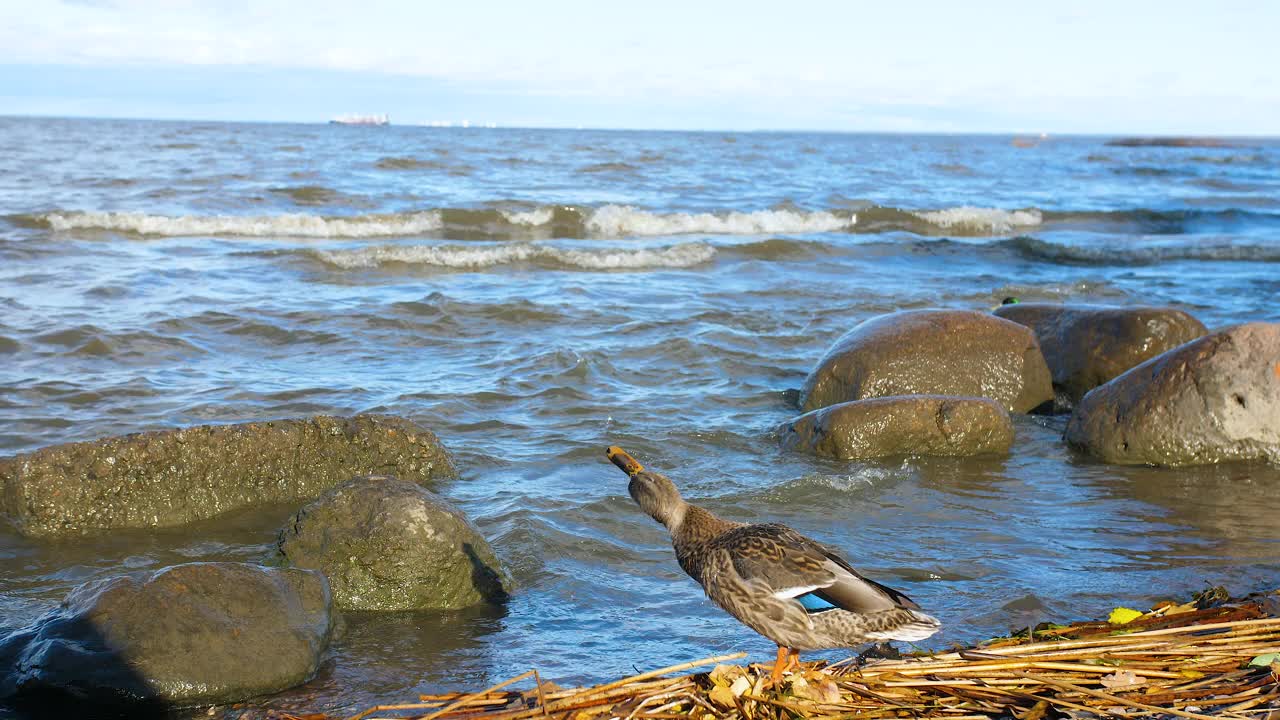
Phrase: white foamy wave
x=290 y=225
x=979 y=219
x=472 y=257
x=624 y=220
x=530 y=218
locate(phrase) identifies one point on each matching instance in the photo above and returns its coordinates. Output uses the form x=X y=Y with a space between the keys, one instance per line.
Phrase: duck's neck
x=697 y=525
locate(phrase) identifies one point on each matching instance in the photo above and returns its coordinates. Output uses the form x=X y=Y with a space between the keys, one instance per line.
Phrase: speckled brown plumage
x=790 y=589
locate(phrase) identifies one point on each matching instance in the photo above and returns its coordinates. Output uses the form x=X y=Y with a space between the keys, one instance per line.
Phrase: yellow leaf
x=1190 y=674
x=725 y=674
x=721 y=695
x=1123 y=616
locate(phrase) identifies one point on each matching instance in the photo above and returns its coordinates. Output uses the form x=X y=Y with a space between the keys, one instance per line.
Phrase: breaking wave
x=622 y=220
x=524 y=221
x=984 y=220
x=287 y=225
x=470 y=257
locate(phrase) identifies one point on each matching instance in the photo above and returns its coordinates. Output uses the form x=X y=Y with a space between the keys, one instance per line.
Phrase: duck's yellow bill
x=625 y=462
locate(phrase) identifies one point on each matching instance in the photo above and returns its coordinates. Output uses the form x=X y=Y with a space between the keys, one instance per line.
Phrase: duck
x=795 y=591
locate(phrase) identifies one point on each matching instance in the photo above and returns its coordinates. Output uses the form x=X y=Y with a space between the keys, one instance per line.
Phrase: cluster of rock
x=921 y=382
x=204 y=633
x=1143 y=385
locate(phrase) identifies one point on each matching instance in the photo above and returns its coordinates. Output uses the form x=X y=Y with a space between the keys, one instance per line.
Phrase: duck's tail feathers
x=919 y=627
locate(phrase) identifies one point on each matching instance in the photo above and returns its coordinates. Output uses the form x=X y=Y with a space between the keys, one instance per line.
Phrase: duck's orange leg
x=793 y=659
x=776 y=675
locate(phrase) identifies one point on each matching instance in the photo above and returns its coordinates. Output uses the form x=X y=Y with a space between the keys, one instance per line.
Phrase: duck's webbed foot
x=879 y=651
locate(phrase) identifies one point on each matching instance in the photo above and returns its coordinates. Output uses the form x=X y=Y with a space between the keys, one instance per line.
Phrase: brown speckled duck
x=788 y=588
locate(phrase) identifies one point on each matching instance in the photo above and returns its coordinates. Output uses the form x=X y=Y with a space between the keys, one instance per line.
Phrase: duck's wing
x=792 y=566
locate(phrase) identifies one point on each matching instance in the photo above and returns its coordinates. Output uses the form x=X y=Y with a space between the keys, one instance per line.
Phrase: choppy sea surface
x=536 y=295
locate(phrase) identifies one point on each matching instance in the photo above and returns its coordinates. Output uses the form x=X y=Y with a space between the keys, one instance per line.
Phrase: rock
x=1173 y=142
x=1211 y=400
x=173 y=477
x=389 y=544
x=1086 y=346
x=191 y=634
x=932 y=352
x=902 y=425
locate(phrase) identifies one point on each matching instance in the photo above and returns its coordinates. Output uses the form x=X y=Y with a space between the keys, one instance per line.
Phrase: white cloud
x=999 y=53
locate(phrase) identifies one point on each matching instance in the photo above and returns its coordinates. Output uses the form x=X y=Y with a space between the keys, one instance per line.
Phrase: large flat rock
x=932 y=352
x=173 y=477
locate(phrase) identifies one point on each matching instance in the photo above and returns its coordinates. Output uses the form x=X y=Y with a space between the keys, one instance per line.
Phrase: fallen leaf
x=725 y=674
x=1123 y=616
x=740 y=686
x=825 y=690
x=1265 y=660
x=721 y=695
x=1121 y=680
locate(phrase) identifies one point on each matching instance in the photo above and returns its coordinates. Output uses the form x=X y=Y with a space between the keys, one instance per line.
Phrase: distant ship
x=351 y=119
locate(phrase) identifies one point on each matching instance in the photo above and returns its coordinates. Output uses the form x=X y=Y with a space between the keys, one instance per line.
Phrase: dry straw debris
x=1207 y=659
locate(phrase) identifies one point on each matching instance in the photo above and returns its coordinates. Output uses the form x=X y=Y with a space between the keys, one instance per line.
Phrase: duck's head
x=652 y=491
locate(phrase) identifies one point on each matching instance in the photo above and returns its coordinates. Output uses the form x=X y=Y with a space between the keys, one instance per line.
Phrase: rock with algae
x=173 y=477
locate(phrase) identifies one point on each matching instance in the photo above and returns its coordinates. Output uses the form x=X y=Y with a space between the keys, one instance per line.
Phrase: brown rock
x=187 y=635
x=388 y=544
x=1085 y=346
x=932 y=352
x=1211 y=400
x=902 y=425
x=172 y=477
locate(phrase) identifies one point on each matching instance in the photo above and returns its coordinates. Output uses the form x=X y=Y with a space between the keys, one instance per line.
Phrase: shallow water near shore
x=534 y=296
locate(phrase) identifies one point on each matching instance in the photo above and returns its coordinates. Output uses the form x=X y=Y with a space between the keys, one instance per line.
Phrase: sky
x=1087 y=66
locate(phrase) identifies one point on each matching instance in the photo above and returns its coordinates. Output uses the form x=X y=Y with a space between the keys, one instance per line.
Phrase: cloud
x=818 y=56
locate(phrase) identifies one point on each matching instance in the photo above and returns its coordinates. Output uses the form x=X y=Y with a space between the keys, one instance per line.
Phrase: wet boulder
x=173 y=477
x=390 y=544
x=1085 y=346
x=932 y=352
x=902 y=425
x=1211 y=400
x=192 y=634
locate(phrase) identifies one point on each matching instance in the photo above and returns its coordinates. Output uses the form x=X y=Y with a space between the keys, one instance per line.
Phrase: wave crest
x=523 y=221
x=472 y=257
x=622 y=220
x=287 y=225
x=987 y=220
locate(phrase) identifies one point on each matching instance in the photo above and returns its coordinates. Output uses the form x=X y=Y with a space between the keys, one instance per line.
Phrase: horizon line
x=490 y=125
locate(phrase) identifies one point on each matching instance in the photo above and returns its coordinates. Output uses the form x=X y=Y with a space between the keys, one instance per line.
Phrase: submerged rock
x=173 y=477
x=932 y=352
x=902 y=425
x=191 y=634
x=1211 y=400
x=389 y=544
x=1085 y=346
